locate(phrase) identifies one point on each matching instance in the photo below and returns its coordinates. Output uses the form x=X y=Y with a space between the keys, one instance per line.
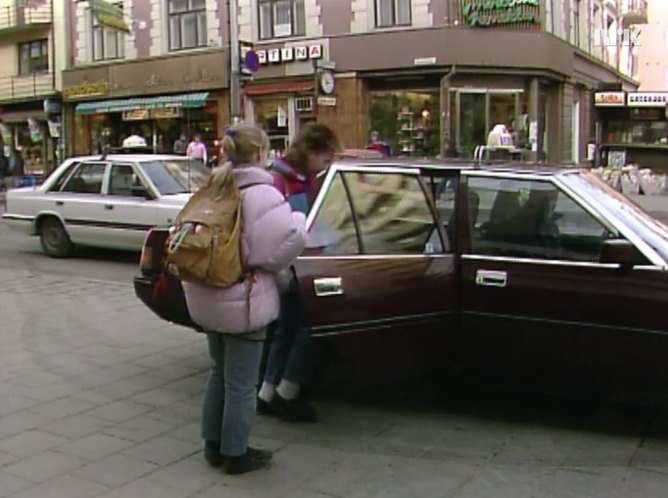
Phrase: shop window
x=393 y=13
x=282 y=18
x=87 y=179
x=533 y=219
x=272 y=116
x=187 y=24
x=34 y=57
x=407 y=121
x=108 y=43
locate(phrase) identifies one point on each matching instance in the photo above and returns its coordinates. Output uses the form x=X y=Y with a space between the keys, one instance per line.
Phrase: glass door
x=471 y=121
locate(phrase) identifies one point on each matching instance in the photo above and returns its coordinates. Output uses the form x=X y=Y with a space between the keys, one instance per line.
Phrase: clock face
x=327 y=82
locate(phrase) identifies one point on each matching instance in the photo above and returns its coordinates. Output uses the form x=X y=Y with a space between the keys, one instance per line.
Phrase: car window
x=122 y=179
x=533 y=219
x=393 y=214
x=333 y=230
x=87 y=179
x=444 y=191
x=60 y=181
x=176 y=176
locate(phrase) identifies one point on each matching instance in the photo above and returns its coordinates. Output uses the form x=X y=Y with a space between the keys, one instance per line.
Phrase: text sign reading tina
x=629 y=37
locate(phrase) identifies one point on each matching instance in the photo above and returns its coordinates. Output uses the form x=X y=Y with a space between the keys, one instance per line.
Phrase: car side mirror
x=620 y=252
x=140 y=191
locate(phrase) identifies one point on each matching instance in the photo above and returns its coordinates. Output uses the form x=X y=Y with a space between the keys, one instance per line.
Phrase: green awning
x=109 y=15
x=188 y=100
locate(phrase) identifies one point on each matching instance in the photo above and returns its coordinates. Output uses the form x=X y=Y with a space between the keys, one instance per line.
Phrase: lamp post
x=235 y=59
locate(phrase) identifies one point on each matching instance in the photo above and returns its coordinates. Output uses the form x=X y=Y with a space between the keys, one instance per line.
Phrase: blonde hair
x=241 y=145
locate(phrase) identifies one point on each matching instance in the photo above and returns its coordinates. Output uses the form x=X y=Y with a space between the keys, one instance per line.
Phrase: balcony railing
x=26 y=87
x=25 y=16
x=634 y=12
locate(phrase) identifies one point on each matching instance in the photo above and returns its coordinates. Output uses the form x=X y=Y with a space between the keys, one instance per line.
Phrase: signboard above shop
x=609 y=99
x=486 y=13
x=109 y=15
x=648 y=99
x=290 y=54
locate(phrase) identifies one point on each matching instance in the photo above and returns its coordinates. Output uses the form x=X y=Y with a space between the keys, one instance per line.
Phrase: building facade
x=30 y=82
x=431 y=76
x=653 y=63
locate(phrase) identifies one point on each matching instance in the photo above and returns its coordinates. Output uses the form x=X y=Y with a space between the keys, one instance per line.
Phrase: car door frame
x=500 y=328
x=335 y=320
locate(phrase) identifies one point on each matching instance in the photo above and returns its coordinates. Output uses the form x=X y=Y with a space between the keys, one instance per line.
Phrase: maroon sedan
x=533 y=272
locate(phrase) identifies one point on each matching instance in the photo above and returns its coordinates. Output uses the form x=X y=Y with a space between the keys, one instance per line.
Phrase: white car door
x=79 y=202
x=128 y=208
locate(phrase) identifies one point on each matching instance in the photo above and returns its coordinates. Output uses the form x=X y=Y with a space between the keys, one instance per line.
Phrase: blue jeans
x=290 y=354
x=229 y=400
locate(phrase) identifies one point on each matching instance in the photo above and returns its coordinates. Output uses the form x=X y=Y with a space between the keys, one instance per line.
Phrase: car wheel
x=55 y=241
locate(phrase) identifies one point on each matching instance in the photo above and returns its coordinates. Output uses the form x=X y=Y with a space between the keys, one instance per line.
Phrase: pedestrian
x=288 y=361
x=236 y=317
x=4 y=168
x=375 y=143
x=180 y=145
x=197 y=150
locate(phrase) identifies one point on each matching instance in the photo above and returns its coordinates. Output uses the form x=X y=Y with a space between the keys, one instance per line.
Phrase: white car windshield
x=650 y=230
x=176 y=176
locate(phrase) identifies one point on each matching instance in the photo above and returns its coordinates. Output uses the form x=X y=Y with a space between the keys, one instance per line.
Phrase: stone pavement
x=98 y=398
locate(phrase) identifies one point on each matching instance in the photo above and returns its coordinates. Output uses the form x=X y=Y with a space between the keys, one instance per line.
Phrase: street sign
x=252 y=61
x=327 y=101
x=331 y=65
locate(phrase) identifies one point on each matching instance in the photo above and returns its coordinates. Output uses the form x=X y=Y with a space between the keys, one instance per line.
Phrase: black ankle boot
x=253 y=459
x=212 y=453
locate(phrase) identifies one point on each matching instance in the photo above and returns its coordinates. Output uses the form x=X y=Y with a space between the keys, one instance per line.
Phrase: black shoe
x=293 y=410
x=264 y=408
x=253 y=459
x=212 y=453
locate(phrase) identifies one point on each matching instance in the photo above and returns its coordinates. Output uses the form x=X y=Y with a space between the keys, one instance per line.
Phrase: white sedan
x=104 y=201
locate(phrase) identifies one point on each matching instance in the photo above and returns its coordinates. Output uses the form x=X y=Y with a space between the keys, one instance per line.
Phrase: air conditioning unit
x=304 y=104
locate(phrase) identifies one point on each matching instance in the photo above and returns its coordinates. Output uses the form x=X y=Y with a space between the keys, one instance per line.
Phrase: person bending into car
x=236 y=317
x=289 y=357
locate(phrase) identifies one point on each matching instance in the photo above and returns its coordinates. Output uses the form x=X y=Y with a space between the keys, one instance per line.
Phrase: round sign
x=252 y=61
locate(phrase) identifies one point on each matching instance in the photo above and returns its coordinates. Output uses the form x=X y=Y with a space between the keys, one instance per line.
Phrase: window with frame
x=533 y=219
x=34 y=57
x=376 y=213
x=187 y=24
x=393 y=13
x=279 y=18
x=108 y=43
x=87 y=179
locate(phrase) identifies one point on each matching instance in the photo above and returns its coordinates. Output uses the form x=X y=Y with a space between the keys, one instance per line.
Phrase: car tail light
x=146 y=261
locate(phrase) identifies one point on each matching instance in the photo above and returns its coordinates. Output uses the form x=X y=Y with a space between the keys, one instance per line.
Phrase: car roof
x=461 y=165
x=128 y=157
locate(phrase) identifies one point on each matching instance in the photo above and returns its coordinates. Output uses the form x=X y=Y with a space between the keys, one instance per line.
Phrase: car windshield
x=650 y=230
x=176 y=176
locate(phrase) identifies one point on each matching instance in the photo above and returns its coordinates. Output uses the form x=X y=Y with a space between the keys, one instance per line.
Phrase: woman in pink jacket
x=272 y=238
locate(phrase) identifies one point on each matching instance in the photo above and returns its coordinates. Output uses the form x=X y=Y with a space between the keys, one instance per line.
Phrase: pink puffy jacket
x=272 y=238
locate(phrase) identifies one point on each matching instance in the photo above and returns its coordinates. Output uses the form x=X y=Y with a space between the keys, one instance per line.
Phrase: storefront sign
x=136 y=115
x=86 y=89
x=498 y=12
x=290 y=54
x=109 y=15
x=609 y=99
x=52 y=106
x=648 y=99
x=167 y=113
x=327 y=101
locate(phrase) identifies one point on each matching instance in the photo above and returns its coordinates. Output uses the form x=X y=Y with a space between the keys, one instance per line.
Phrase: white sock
x=266 y=392
x=287 y=389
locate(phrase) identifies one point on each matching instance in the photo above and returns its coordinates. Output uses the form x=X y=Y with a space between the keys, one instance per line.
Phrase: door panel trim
x=566 y=323
x=532 y=261
x=351 y=327
x=345 y=257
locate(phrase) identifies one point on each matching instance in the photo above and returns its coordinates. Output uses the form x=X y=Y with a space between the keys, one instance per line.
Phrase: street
x=101 y=399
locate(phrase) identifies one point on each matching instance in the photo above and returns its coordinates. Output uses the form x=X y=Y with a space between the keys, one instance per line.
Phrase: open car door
x=379 y=274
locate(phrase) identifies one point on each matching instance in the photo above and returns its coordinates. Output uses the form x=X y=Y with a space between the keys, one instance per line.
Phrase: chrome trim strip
x=378 y=169
x=17 y=217
x=375 y=256
x=566 y=323
x=351 y=327
x=531 y=261
x=509 y=175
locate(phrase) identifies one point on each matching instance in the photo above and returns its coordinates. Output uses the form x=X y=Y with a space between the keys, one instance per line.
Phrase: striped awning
x=188 y=100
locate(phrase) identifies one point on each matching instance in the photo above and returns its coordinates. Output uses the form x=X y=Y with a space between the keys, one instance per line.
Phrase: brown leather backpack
x=204 y=246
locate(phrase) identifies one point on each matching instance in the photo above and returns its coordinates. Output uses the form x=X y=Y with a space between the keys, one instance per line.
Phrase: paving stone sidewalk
x=98 y=398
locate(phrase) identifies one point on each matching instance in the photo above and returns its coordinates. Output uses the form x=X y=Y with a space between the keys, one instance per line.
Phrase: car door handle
x=331 y=286
x=491 y=278
x=60 y=203
x=109 y=206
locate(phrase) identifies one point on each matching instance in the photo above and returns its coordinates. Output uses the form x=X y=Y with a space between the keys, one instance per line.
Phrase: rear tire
x=55 y=240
